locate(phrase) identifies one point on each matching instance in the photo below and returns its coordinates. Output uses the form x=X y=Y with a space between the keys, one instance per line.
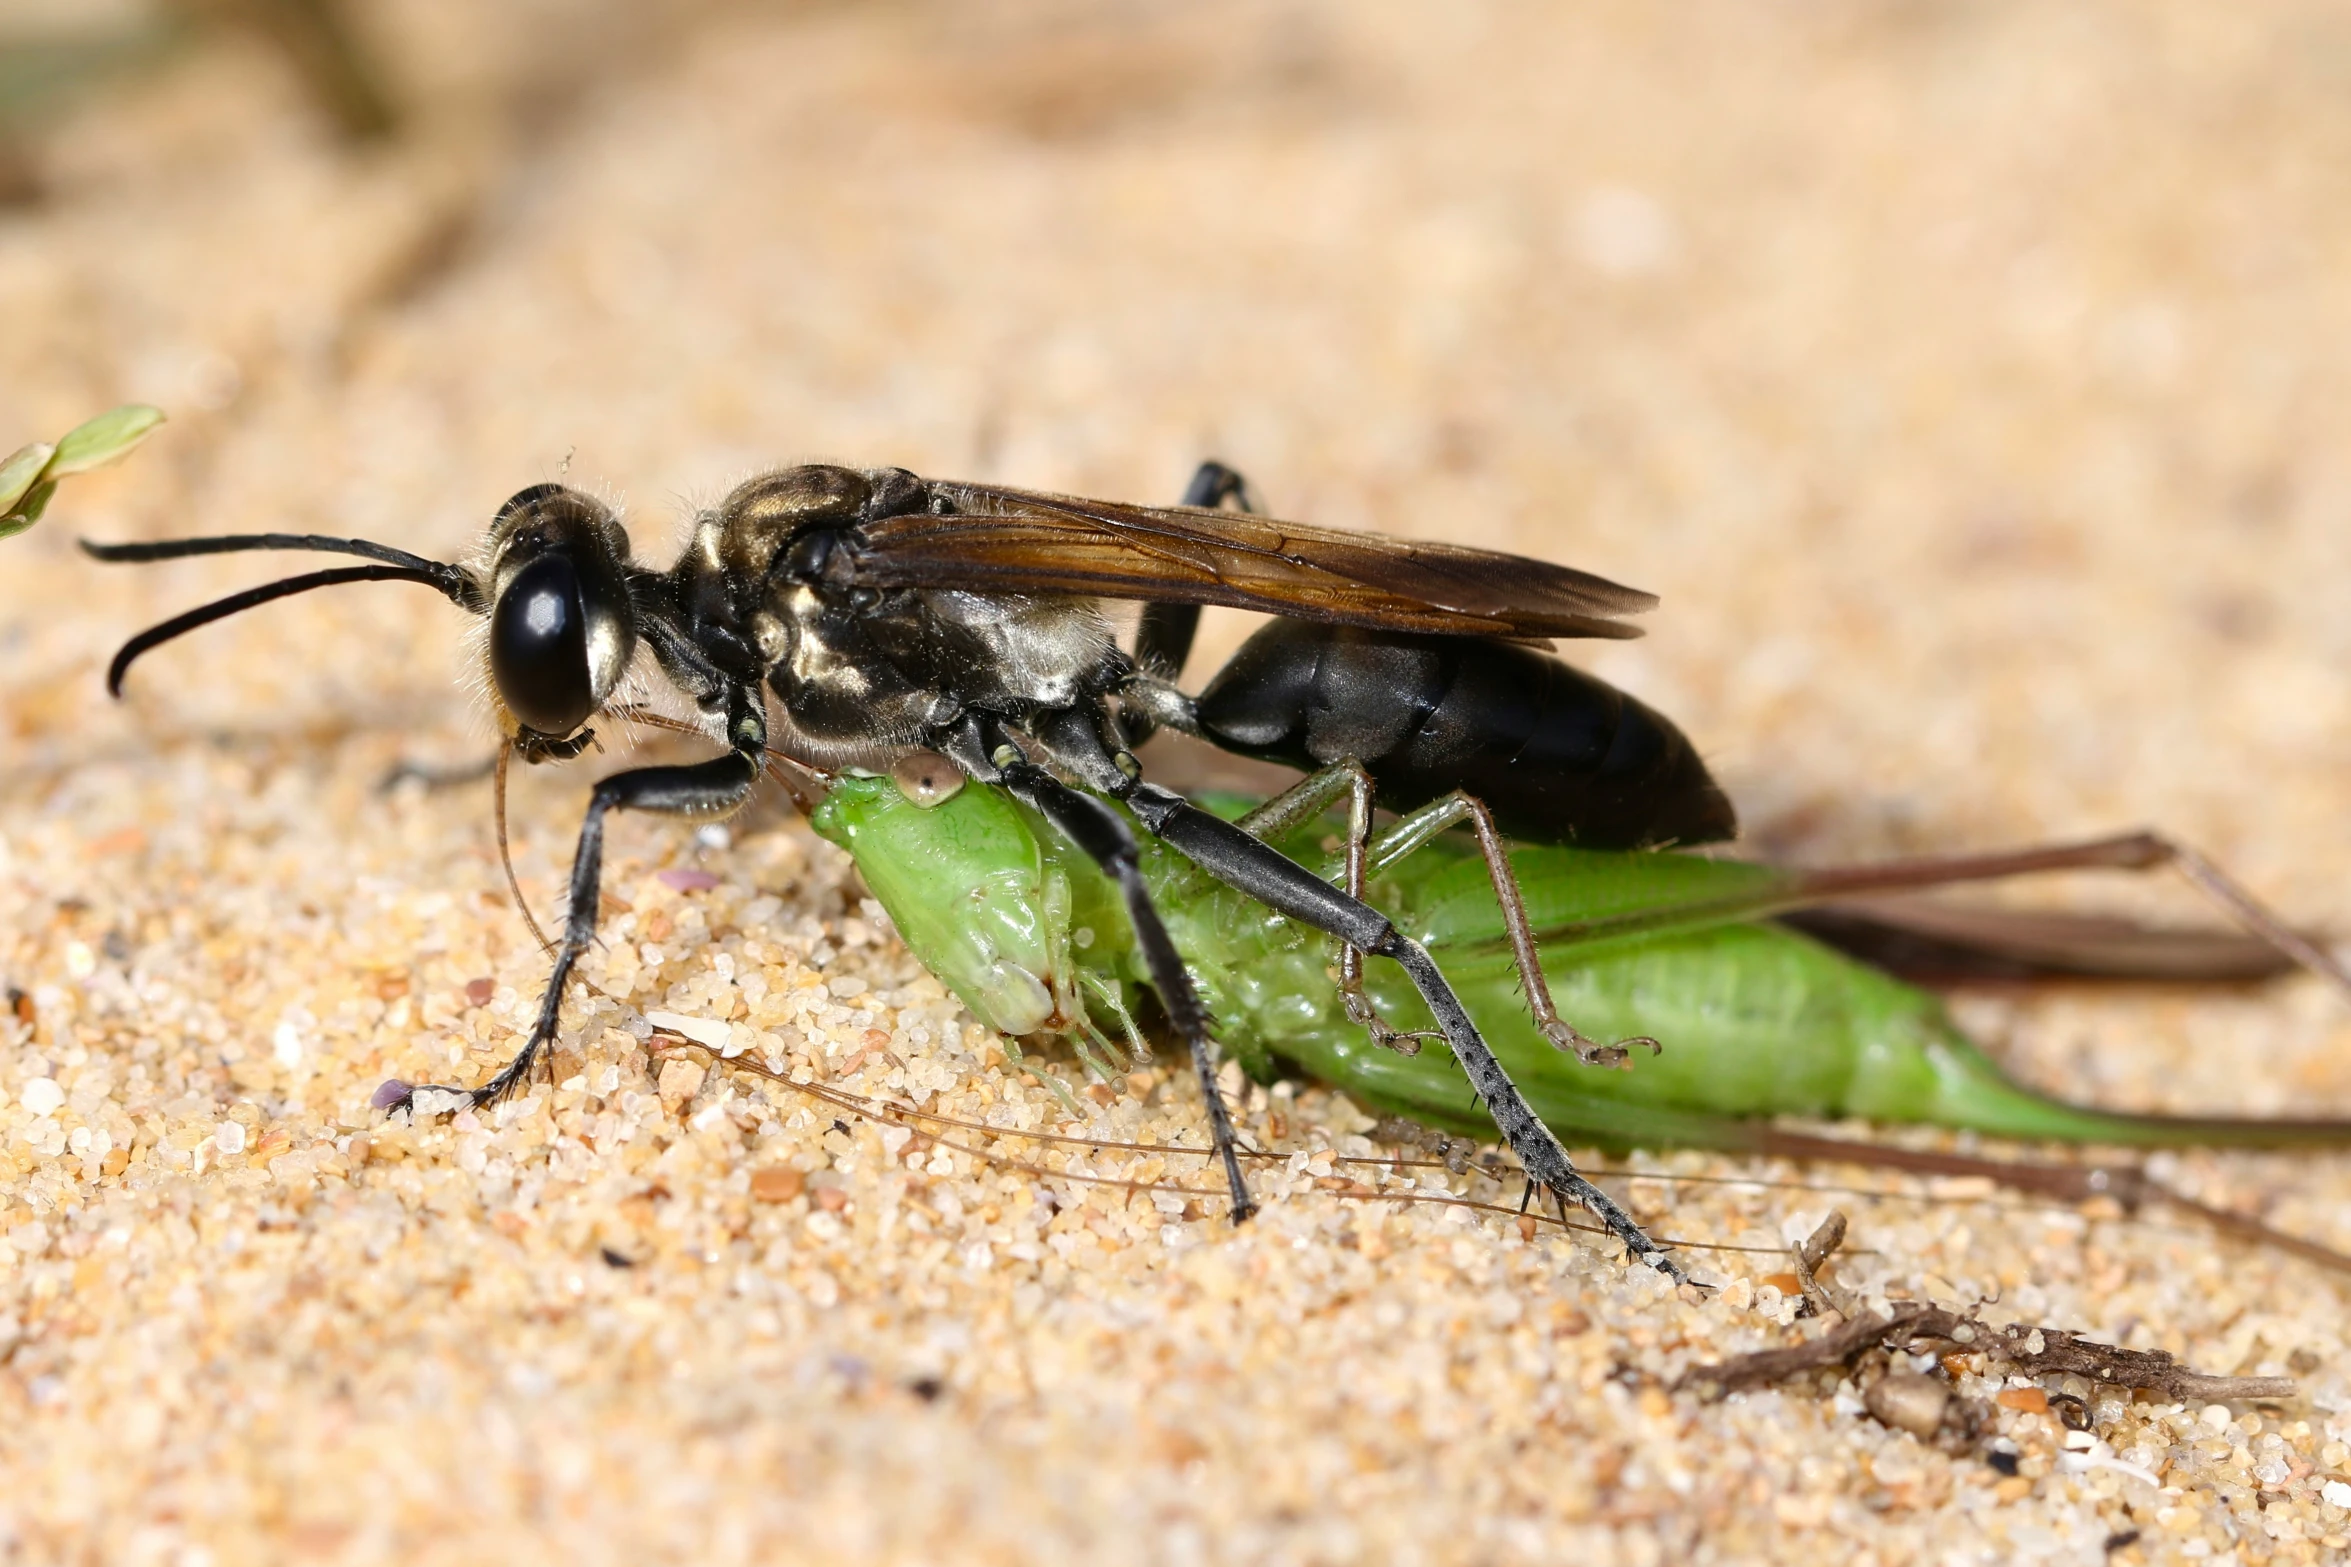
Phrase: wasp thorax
x=561 y=627
x=794 y=497
x=766 y=515
x=926 y=778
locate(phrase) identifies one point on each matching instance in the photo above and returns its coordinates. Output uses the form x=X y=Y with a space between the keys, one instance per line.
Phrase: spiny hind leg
x=1302 y=802
x=1318 y=792
x=1416 y=829
x=1539 y=1152
x=1252 y=866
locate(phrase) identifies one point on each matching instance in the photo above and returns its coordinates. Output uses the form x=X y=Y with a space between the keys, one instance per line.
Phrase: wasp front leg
x=697 y=789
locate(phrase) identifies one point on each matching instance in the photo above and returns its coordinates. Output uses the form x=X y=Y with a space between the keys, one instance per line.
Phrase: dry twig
x=1912 y=1325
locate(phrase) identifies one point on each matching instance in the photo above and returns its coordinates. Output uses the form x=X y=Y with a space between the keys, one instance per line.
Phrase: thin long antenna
x=220 y=609
x=232 y=543
x=2256 y=916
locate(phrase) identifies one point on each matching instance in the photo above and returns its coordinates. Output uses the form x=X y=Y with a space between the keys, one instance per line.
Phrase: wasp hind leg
x=1256 y=868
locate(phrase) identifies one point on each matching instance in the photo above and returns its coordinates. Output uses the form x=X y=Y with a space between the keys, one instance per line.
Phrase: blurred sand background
x=1970 y=378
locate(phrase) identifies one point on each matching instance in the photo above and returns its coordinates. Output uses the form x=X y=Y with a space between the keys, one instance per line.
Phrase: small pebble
x=1908 y=1401
x=778 y=1185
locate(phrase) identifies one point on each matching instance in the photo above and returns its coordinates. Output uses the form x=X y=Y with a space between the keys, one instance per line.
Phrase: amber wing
x=991 y=538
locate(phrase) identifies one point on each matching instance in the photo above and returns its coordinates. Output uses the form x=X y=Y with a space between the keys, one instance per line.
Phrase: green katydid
x=1760 y=1020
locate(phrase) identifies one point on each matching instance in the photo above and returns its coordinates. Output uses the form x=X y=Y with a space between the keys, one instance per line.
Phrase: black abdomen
x=1557 y=755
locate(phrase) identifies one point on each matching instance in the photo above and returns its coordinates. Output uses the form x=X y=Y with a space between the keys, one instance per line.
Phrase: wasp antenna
x=231 y=543
x=448 y=579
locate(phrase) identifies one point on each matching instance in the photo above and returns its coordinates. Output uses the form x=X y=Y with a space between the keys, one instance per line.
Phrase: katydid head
x=965 y=879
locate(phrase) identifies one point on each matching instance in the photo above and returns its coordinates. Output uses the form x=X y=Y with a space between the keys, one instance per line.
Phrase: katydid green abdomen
x=1757 y=1020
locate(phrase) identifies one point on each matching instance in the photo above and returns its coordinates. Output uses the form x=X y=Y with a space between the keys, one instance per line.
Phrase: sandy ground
x=1970 y=380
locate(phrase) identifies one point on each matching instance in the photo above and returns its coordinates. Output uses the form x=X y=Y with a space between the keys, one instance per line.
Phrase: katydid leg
x=1314 y=794
x=1303 y=802
x=2127 y=1184
x=1426 y=823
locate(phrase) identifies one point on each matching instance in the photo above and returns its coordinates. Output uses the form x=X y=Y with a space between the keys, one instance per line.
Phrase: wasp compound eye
x=539 y=647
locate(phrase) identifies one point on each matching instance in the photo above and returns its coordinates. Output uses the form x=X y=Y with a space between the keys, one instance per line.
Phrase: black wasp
x=890 y=614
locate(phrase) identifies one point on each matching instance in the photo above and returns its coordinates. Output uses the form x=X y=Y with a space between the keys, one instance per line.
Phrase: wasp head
x=562 y=625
